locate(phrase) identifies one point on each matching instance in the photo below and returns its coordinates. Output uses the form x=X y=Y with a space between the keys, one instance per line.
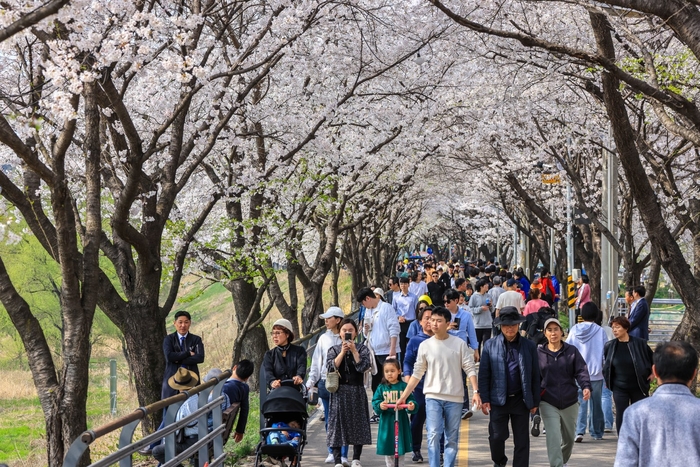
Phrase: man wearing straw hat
x=182 y=380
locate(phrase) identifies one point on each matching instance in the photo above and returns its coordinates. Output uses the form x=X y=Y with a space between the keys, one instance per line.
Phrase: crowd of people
x=443 y=329
x=436 y=322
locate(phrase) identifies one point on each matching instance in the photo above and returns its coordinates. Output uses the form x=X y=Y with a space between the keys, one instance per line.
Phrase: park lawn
x=21 y=428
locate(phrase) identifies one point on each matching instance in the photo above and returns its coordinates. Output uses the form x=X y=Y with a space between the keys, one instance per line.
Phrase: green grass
x=22 y=427
x=21 y=421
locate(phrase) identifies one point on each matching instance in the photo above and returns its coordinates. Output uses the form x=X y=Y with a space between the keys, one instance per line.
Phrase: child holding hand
x=388 y=393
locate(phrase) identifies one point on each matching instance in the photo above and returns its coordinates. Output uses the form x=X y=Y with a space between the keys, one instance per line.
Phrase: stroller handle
x=401 y=406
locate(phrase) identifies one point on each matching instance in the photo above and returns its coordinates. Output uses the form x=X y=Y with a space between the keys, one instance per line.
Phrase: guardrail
x=662 y=321
x=210 y=399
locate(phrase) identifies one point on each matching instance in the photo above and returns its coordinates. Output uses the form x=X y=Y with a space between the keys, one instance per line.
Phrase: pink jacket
x=583 y=295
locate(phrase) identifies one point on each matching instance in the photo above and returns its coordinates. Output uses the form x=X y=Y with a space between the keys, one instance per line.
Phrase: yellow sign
x=551 y=179
x=571 y=292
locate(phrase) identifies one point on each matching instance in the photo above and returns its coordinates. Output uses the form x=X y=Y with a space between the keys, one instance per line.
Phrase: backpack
x=535 y=325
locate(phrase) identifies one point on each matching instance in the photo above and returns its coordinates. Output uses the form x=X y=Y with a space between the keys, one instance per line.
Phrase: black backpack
x=535 y=324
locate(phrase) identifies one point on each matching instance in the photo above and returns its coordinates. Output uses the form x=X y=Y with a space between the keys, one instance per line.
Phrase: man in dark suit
x=639 y=314
x=182 y=350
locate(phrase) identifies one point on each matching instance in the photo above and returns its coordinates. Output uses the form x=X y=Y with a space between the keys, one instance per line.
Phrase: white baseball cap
x=333 y=311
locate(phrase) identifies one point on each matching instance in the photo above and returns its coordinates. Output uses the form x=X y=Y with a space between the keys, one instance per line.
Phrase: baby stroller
x=284 y=404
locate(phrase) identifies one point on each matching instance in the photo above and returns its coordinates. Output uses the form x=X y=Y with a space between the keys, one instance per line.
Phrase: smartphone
x=348 y=336
x=456 y=321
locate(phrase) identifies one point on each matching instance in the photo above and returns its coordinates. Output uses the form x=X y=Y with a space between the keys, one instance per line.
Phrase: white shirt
x=318 y=360
x=383 y=325
x=442 y=362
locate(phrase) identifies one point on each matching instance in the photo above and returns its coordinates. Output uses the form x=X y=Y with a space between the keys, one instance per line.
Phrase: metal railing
x=210 y=399
x=662 y=321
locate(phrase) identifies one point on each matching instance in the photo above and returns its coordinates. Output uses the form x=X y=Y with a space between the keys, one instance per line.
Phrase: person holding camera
x=348 y=414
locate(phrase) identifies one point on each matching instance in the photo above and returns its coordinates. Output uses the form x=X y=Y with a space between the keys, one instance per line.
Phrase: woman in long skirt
x=348 y=414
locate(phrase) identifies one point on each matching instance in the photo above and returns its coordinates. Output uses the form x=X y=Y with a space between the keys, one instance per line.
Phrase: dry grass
x=17 y=384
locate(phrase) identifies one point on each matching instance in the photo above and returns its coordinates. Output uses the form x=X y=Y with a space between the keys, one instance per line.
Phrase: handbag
x=373 y=369
x=332 y=380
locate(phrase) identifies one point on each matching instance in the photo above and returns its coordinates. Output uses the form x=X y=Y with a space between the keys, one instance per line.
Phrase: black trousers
x=624 y=398
x=519 y=416
x=356 y=453
x=403 y=342
x=377 y=379
x=482 y=335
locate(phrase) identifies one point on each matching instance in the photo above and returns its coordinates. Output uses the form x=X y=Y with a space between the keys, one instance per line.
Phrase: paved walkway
x=473 y=447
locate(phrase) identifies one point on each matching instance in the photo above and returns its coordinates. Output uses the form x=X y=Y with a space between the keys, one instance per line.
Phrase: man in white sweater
x=441 y=359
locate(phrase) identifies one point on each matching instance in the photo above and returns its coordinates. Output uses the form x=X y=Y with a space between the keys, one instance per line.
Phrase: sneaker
x=338 y=465
x=608 y=429
x=466 y=414
x=374 y=418
x=417 y=458
x=345 y=462
x=535 y=430
x=598 y=439
x=578 y=439
x=356 y=463
x=330 y=459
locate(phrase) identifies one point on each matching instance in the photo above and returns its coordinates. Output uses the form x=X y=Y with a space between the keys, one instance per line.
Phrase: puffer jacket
x=279 y=367
x=493 y=384
x=560 y=372
x=642 y=358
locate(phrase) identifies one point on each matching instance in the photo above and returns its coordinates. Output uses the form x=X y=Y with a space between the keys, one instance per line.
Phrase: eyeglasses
x=422 y=308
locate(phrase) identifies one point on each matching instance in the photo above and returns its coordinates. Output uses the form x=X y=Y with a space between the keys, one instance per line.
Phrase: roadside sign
x=551 y=179
x=571 y=292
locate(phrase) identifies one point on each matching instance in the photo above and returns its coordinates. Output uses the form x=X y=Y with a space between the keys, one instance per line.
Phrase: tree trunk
x=41 y=364
x=335 y=274
x=251 y=344
x=651 y=214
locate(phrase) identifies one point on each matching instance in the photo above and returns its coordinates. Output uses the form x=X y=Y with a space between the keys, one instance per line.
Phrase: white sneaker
x=356 y=463
x=345 y=462
x=330 y=459
x=338 y=465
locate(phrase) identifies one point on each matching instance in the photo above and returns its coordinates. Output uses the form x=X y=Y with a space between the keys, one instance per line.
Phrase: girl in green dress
x=388 y=393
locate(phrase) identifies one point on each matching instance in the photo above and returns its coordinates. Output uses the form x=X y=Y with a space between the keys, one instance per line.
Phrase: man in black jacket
x=509 y=384
x=182 y=350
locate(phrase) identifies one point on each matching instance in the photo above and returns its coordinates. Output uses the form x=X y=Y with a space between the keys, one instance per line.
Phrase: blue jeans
x=442 y=417
x=325 y=396
x=607 y=407
x=597 y=421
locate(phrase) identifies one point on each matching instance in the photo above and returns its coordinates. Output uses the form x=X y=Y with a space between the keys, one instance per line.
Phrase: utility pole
x=608 y=255
x=569 y=234
x=551 y=240
x=498 y=238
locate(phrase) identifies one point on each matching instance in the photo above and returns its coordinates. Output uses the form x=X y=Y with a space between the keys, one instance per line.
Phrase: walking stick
x=396 y=431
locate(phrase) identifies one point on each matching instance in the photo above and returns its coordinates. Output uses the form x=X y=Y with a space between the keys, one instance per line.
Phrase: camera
x=348 y=336
x=456 y=321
